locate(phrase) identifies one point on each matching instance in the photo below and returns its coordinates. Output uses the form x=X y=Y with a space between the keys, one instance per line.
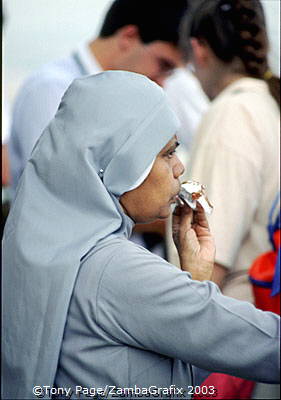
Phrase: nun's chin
x=165 y=212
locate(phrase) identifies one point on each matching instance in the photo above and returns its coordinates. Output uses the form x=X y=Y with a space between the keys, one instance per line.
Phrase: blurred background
x=39 y=31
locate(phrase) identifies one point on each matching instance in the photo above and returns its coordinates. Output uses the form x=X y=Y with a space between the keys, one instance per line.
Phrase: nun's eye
x=171 y=153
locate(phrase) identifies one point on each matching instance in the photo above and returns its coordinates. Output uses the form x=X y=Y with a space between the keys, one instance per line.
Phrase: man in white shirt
x=138 y=36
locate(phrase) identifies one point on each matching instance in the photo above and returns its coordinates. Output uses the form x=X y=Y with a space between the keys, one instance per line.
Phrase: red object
x=261 y=274
x=263 y=300
x=227 y=387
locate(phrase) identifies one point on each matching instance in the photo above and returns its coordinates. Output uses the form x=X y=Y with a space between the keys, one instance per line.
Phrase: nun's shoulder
x=122 y=252
x=118 y=273
x=120 y=258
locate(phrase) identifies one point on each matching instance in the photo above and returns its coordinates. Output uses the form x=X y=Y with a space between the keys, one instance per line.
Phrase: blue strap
x=274 y=225
x=259 y=283
x=276 y=279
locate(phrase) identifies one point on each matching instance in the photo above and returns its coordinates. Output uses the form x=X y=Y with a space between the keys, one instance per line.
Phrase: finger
x=200 y=217
x=186 y=218
x=176 y=218
x=177 y=210
x=182 y=216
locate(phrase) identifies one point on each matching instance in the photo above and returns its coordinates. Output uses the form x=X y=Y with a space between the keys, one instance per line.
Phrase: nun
x=88 y=313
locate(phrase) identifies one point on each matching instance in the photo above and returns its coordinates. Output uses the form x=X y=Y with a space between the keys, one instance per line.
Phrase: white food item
x=191 y=192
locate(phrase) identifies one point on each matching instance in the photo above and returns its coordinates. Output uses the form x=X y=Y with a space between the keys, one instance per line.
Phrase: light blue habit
x=83 y=307
x=116 y=122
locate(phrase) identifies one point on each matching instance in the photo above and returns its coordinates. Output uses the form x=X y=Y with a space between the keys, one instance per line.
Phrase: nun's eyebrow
x=173 y=146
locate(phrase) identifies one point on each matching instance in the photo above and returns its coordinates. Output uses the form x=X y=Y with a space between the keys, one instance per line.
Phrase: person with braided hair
x=236 y=149
x=236 y=153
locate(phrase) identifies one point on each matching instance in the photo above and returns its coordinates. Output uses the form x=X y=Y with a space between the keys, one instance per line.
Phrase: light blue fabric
x=114 y=121
x=135 y=319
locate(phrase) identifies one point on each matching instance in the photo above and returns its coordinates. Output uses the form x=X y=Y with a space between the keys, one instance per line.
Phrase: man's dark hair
x=155 y=19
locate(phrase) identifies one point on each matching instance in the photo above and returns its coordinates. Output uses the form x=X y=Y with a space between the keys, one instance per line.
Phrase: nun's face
x=154 y=197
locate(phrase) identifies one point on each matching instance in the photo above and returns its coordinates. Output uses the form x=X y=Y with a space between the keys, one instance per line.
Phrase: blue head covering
x=107 y=131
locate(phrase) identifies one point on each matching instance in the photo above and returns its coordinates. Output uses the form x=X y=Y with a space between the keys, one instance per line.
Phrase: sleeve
x=35 y=106
x=149 y=304
x=227 y=158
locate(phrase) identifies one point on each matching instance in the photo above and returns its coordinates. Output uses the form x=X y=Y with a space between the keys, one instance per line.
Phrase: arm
x=149 y=304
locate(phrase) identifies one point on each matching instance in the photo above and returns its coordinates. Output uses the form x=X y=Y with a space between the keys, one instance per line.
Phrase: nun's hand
x=194 y=242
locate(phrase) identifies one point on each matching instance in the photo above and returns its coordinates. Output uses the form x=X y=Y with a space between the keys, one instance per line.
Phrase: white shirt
x=236 y=155
x=37 y=103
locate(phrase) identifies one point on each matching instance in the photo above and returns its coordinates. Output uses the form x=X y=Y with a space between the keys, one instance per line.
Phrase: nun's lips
x=174 y=199
x=177 y=192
